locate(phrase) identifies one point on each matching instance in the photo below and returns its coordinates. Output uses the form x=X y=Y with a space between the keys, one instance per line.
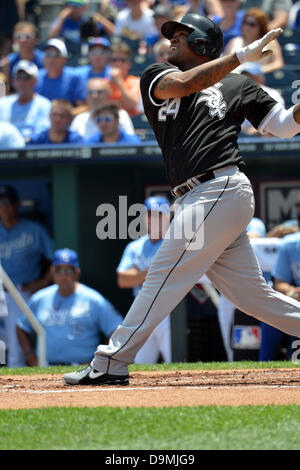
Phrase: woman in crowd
x=254 y=26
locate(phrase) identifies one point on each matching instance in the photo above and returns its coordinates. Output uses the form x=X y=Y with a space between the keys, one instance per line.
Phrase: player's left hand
x=256 y=50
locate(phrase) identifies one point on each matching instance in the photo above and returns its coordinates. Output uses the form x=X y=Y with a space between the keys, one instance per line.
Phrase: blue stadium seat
x=140 y=63
x=289 y=36
x=281 y=78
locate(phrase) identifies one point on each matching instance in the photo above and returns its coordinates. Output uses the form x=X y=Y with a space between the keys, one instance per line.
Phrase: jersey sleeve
x=150 y=77
x=282 y=269
x=127 y=260
x=255 y=103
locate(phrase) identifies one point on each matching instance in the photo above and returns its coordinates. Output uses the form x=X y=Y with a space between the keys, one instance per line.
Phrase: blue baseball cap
x=98 y=41
x=256 y=226
x=158 y=204
x=65 y=256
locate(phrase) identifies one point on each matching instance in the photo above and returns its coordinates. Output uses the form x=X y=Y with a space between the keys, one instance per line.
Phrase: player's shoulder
x=291 y=240
x=237 y=79
x=46 y=292
x=30 y=224
x=87 y=292
x=138 y=243
x=156 y=68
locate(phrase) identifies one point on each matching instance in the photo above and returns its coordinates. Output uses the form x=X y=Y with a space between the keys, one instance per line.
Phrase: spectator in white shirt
x=98 y=91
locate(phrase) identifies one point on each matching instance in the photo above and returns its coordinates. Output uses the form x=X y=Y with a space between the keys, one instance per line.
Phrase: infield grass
x=185 y=428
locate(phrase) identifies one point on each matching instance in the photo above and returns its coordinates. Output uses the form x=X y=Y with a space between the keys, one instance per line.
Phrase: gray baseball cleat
x=90 y=376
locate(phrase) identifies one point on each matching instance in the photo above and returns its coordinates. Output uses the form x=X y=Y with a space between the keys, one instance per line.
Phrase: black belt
x=186 y=187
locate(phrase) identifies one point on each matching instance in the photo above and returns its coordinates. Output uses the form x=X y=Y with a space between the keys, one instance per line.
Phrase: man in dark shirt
x=196 y=107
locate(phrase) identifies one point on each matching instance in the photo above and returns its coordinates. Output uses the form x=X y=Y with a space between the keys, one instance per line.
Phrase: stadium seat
x=140 y=63
x=281 y=78
x=142 y=127
x=289 y=36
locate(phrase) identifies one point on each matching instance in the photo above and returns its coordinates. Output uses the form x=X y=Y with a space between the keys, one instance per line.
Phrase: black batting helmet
x=205 y=38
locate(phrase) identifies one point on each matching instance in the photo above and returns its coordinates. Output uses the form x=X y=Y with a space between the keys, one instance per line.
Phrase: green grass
x=169 y=428
x=196 y=428
x=153 y=367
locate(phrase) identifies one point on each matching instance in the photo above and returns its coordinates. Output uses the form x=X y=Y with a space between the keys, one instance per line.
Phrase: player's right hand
x=255 y=51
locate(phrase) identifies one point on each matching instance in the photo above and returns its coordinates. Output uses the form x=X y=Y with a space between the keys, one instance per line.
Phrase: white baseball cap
x=59 y=45
x=26 y=66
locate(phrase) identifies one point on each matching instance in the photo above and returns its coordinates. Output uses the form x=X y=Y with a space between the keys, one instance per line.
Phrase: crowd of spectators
x=82 y=44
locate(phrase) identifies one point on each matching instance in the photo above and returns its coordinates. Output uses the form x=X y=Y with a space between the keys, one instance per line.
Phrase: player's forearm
x=179 y=84
x=287 y=289
x=131 y=278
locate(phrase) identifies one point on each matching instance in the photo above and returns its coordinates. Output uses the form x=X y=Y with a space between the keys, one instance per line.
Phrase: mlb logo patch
x=246 y=337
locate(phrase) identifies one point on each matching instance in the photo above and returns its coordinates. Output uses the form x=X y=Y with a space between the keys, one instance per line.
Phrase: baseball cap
x=9 y=192
x=65 y=256
x=76 y=3
x=26 y=66
x=162 y=10
x=99 y=42
x=251 y=67
x=59 y=45
x=256 y=226
x=158 y=204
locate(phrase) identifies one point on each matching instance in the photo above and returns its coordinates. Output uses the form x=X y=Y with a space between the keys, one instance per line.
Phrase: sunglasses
x=20 y=36
x=52 y=54
x=67 y=271
x=107 y=119
x=96 y=92
x=249 y=23
x=119 y=59
x=98 y=53
x=22 y=76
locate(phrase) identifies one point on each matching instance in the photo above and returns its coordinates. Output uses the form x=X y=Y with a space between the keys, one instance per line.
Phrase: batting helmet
x=205 y=38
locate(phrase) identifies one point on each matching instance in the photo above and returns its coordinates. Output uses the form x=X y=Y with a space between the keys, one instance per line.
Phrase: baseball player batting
x=196 y=107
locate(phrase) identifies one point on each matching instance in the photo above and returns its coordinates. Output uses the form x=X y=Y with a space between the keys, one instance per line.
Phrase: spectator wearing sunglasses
x=25 y=38
x=107 y=119
x=59 y=131
x=26 y=250
x=255 y=26
x=26 y=110
x=125 y=88
x=56 y=79
x=98 y=56
x=73 y=315
x=98 y=91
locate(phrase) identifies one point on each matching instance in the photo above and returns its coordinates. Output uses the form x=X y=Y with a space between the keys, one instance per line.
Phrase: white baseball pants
x=227 y=206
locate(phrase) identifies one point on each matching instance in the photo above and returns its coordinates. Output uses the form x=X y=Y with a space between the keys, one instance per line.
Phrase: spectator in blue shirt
x=58 y=132
x=107 y=118
x=57 y=80
x=73 y=315
x=98 y=55
x=26 y=109
x=25 y=37
x=67 y=24
x=24 y=247
x=231 y=22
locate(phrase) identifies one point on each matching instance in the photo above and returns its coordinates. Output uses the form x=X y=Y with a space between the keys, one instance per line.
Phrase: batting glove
x=254 y=51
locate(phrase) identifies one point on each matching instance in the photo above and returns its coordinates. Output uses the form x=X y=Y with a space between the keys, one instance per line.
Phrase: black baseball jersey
x=199 y=132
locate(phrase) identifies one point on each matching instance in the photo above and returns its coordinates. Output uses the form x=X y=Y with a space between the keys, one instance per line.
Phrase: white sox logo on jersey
x=214 y=100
